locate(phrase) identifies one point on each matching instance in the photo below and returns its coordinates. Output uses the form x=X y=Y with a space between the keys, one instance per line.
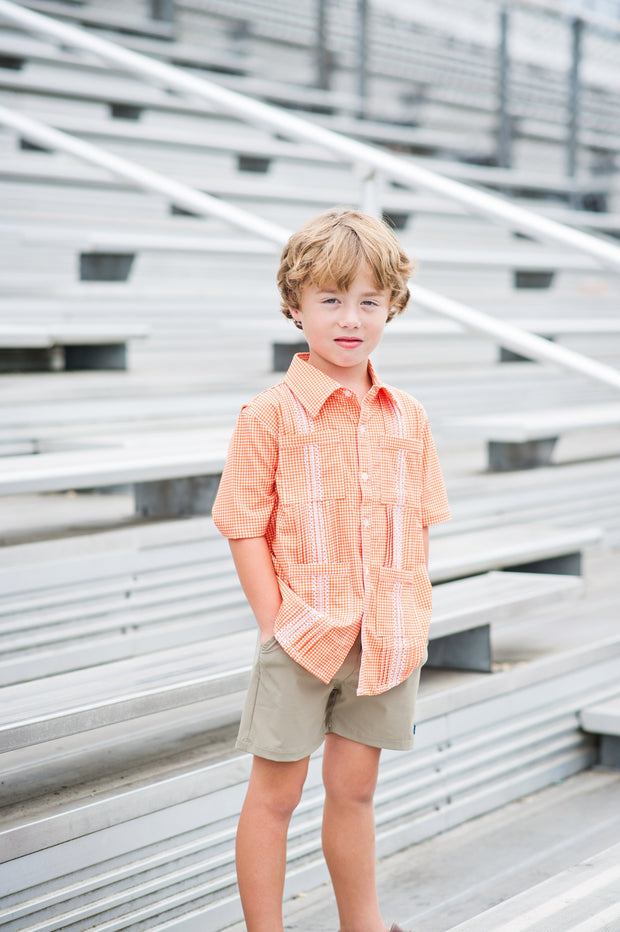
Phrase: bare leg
x=350 y=778
x=273 y=793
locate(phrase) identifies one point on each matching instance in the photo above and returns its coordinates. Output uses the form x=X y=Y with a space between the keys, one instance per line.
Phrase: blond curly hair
x=331 y=248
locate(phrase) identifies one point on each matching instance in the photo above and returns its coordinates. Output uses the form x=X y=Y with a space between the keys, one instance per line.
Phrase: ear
x=295 y=313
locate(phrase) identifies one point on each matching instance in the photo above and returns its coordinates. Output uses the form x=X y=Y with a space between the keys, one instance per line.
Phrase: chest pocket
x=401 y=471
x=311 y=470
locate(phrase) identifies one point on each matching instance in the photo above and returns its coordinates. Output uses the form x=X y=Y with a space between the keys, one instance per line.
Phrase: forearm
x=258 y=580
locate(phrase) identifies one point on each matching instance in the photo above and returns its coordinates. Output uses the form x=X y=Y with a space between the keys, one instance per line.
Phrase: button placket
x=364 y=460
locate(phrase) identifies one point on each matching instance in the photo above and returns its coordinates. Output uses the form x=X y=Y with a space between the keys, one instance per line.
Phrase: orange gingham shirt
x=342 y=492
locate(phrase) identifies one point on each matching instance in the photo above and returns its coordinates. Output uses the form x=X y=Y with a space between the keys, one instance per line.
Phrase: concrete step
x=455 y=877
x=583 y=898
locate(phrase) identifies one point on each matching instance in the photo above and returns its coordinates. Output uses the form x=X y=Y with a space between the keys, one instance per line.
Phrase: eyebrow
x=367 y=294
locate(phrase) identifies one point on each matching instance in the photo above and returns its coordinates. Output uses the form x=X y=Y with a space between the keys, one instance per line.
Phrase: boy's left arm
x=435 y=508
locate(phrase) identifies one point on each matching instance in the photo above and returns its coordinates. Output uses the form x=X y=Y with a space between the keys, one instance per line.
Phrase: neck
x=360 y=386
x=356 y=379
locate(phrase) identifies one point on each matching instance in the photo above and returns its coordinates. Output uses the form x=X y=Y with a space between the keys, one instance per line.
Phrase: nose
x=349 y=315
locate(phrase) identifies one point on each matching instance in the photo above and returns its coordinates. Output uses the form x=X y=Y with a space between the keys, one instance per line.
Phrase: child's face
x=343 y=327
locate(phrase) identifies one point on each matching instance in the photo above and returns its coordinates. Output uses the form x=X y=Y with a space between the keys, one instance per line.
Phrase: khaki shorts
x=288 y=711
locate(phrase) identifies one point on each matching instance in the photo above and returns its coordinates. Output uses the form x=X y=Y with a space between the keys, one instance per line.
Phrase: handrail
x=358 y=153
x=520 y=341
x=509 y=336
x=531 y=345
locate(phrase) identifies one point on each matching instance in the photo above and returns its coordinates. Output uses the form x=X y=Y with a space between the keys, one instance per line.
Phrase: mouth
x=348 y=342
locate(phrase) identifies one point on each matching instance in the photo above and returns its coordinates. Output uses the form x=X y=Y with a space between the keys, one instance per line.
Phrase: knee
x=359 y=791
x=277 y=790
x=282 y=802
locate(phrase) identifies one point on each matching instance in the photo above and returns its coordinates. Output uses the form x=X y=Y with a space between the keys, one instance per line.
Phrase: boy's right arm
x=258 y=580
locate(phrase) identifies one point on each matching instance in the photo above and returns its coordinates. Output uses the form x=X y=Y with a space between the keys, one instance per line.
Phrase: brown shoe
x=396 y=928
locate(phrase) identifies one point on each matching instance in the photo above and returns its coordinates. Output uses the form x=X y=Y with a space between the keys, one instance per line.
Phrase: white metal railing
x=366 y=158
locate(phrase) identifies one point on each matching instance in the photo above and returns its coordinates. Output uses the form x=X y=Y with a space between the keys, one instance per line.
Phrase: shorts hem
x=385 y=744
x=271 y=754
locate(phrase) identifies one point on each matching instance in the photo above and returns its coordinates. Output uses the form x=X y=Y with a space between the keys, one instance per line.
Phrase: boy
x=330 y=485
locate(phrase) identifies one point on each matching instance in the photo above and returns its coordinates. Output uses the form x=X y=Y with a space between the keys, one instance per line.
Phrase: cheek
x=378 y=328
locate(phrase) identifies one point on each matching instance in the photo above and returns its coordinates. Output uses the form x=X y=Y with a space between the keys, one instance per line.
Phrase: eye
x=330 y=300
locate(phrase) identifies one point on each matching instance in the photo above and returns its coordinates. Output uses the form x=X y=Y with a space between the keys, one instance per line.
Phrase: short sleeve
x=435 y=508
x=246 y=495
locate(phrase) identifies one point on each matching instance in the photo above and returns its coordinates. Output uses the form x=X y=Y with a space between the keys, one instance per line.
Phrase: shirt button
x=362 y=428
x=347 y=393
x=364 y=476
x=366 y=522
x=366 y=571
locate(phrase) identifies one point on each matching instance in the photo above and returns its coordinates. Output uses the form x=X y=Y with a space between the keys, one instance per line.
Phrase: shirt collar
x=312 y=387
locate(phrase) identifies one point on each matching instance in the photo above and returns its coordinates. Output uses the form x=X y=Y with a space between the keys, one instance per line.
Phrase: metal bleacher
x=125 y=640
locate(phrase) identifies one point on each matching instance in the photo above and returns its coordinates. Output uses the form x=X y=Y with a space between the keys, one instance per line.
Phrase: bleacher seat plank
x=162 y=475
x=520 y=426
x=535 y=547
x=583 y=898
x=466 y=612
x=603 y=719
x=83 y=469
x=69 y=347
x=523 y=439
x=32 y=336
